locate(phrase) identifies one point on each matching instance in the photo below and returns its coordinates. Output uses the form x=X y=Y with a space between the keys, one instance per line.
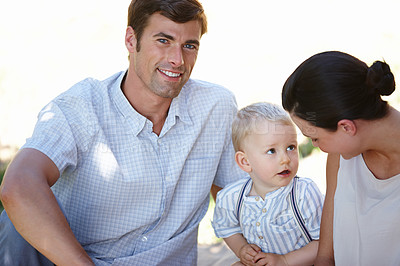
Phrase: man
x=119 y=171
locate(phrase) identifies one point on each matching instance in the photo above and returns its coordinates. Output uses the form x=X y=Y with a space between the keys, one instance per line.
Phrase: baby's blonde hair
x=247 y=118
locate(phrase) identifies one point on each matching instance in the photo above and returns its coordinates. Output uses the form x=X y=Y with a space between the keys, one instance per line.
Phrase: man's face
x=167 y=54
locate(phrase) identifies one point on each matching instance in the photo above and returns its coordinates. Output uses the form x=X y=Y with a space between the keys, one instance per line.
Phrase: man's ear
x=130 y=39
x=347 y=126
x=241 y=160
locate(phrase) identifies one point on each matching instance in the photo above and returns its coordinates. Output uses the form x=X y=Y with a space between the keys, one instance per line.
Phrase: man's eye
x=162 y=40
x=189 y=46
x=271 y=151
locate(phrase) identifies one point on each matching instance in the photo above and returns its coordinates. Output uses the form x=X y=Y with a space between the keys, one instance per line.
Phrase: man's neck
x=146 y=103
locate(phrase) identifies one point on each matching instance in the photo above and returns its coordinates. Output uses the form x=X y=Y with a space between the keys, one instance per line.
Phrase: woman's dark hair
x=332 y=86
x=179 y=11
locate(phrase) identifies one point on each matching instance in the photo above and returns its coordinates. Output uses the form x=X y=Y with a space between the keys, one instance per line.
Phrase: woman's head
x=332 y=86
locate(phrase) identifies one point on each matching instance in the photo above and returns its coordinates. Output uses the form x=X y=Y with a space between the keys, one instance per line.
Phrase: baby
x=273 y=217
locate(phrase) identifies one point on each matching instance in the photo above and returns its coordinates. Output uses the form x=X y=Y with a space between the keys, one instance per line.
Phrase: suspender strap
x=293 y=205
x=297 y=214
x=239 y=202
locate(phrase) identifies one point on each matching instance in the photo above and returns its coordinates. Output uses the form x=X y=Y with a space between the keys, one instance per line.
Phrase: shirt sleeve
x=64 y=127
x=310 y=204
x=225 y=222
x=228 y=171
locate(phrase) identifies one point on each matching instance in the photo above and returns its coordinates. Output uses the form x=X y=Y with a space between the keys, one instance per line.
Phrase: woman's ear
x=347 y=126
x=130 y=39
x=241 y=160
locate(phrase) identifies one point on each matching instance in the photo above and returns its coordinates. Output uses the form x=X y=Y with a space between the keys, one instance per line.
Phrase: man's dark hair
x=179 y=11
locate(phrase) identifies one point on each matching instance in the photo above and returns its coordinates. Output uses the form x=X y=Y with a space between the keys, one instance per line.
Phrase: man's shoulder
x=87 y=93
x=90 y=86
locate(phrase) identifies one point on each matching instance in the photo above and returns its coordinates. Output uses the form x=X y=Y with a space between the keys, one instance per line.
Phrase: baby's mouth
x=284 y=172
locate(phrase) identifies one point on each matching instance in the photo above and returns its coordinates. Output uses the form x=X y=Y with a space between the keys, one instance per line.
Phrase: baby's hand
x=247 y=254
x=270 y=259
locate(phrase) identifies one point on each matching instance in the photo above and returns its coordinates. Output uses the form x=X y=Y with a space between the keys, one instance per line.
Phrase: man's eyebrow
x=169 y=37
x=195 y=42
x=164 y=35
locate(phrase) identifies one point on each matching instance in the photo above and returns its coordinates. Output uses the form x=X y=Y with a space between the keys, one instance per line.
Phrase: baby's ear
x=241 y=160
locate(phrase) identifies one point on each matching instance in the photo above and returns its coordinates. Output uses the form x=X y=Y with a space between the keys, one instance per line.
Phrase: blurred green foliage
x=306 y=148
x=3 y=167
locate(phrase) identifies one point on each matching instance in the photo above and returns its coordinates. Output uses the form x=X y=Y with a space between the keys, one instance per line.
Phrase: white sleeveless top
x=366 y=227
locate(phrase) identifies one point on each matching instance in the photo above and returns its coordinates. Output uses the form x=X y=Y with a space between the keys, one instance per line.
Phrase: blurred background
x=251 y=48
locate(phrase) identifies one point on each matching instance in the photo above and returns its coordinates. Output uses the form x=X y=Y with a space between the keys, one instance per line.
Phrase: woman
x=335 y=99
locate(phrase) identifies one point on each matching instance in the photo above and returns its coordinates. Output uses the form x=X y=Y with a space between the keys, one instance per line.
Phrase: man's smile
x=170 y=74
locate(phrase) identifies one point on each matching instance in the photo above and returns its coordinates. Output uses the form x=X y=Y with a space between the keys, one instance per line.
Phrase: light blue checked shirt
x=132 y=197
x=269 y=223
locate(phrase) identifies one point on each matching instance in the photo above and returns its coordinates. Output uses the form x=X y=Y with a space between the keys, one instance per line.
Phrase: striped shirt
x=269 y=223
x=132 y=197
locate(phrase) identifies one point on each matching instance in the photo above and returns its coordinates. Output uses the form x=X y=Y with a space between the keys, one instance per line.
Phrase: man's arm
x=214 y=191
x=325 y=250
x=34 y=211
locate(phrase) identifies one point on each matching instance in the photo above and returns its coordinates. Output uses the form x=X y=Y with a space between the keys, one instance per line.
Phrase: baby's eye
x=291 y=148
x=271 y=151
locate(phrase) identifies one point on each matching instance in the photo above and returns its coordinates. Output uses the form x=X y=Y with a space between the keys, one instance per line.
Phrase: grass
x=206 y=232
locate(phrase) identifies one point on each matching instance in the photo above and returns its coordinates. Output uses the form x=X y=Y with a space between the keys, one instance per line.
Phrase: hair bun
x=380 y=79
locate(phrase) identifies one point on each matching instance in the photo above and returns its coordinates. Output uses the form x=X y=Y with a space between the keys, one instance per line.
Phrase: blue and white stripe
x=269 y=223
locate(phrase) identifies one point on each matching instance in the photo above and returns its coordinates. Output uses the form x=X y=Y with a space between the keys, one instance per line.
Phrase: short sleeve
x=52 y=136
x=310 y=203
x=225 y=221
x=228 y=171
x=63 y=129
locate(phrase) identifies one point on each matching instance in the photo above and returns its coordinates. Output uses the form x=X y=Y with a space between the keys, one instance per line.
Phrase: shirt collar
x=178 y=108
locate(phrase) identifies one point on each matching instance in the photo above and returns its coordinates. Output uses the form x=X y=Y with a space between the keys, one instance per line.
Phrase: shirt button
x=159 y=141
x=257 y=198
x=258 y=223
x=144 y=239
x=264 y=210
x=260 y=237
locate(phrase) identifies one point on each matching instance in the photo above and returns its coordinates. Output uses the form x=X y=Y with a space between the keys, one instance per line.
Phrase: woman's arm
x=325 y=250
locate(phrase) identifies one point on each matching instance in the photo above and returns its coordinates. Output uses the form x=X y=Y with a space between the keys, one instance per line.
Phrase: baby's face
x=271 y=151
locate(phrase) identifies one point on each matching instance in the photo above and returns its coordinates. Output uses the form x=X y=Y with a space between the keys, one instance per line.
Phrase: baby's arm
x=303 y=256
x=244 y=251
